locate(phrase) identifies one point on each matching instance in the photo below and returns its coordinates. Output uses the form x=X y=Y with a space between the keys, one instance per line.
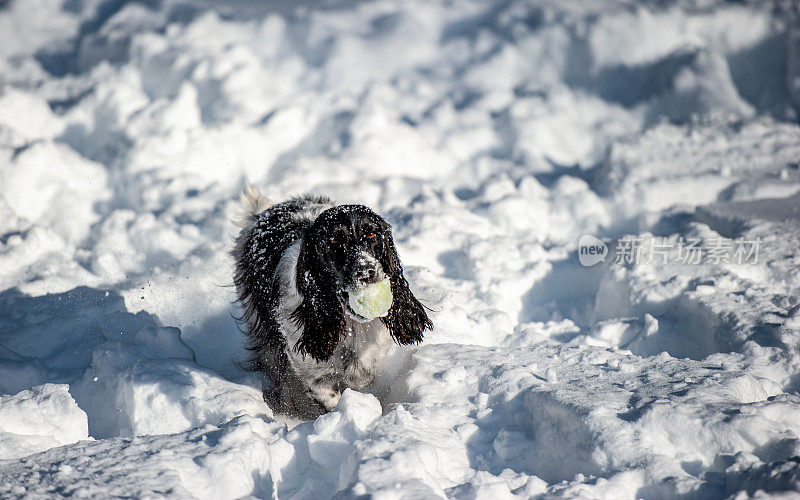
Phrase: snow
x=497 y=139
x=38 y=419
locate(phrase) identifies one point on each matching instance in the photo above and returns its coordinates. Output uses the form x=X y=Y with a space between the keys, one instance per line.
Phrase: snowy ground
x=492 y=136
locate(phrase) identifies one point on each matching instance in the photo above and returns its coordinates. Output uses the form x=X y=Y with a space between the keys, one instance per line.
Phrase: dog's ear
x=319 y=315
x=407 y=318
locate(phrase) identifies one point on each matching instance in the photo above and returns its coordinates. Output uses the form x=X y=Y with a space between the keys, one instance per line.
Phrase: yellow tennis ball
x=372 y=301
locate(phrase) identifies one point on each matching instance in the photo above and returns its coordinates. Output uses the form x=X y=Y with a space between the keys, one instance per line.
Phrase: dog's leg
x=326 y=391
x=289 y=395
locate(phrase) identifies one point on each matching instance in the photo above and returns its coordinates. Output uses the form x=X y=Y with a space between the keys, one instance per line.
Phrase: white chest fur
x=355 y=360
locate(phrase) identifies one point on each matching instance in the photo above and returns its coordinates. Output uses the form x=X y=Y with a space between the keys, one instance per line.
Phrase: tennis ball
x=372 y=301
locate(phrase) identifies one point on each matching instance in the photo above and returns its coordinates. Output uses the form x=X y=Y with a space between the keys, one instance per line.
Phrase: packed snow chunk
x=412 y=447
x=243 y=458
x=638 y=34
x=28 y=27
x=372 y=301
x=38 y=419
x=52 y=185
x=334 y=433
x=164 y=396
x=704 y=86
x=780 y=478
x=359 y=410
x=162 y=116
x=25 y=118
x=731 y=217
x=410 y=151
x=565 y=128
x=669 y=165
x=627 y=333
x=507 y=485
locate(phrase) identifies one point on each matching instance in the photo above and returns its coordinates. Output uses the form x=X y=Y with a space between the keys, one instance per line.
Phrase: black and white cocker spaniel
x=299 y=266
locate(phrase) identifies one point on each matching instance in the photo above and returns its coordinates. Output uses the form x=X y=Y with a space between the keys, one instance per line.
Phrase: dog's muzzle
x=366 y=270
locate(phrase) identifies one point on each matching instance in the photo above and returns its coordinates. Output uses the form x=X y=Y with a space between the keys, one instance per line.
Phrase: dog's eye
x=371 y=236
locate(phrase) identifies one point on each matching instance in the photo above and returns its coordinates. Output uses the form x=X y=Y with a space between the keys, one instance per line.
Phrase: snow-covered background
x=492 y=135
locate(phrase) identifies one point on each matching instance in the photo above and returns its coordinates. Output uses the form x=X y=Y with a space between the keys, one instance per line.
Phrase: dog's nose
x=366 y=273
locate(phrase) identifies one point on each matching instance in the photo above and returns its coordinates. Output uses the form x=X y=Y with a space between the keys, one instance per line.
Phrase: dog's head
x=351 y=244
x=346 y=248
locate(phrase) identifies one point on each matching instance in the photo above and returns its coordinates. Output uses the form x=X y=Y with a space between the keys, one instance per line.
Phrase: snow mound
x=667 y=165
x=528 y=417
x=225 y=463
x=244 y=455
x=38 y=419
x=165 y=397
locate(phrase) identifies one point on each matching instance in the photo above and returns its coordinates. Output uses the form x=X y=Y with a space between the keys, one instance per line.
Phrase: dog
x=296 y=263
